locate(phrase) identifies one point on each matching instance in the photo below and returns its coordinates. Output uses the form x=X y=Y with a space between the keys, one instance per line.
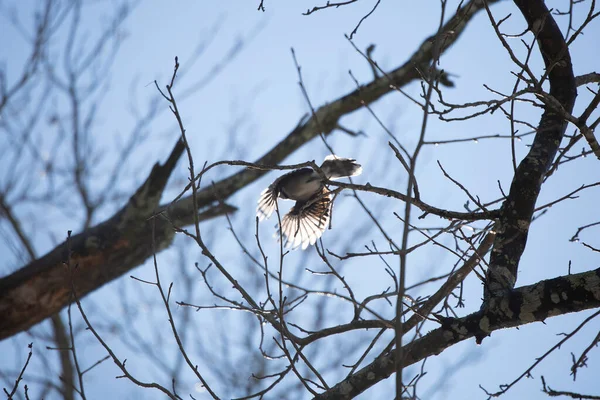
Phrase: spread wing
x=306 y=221
x=293 y=185
x=266 y=202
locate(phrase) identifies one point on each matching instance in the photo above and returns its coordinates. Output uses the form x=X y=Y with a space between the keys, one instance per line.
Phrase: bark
x=92 y=258
x=545 y=299
x=517 y=209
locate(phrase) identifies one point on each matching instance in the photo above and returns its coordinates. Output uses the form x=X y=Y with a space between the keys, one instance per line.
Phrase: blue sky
x=254 y=101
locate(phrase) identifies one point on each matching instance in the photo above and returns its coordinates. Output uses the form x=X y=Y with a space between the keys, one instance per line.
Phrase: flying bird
x=308 y=218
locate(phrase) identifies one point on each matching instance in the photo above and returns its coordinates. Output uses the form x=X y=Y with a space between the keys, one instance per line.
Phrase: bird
x=307 y=219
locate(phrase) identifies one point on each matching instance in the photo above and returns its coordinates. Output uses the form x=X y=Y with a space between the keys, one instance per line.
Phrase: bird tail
x=337 y=167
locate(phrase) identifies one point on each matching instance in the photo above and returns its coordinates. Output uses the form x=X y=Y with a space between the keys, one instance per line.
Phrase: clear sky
x=239 y=98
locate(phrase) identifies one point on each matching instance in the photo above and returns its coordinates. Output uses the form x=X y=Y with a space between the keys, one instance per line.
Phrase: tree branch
x=517 y=209
x=100 y=254
x=521 y=306
x=326 y=118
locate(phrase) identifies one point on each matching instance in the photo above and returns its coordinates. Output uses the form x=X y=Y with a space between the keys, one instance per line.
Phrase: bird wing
x=296 y=185
x=267 y=202
x=306 y=221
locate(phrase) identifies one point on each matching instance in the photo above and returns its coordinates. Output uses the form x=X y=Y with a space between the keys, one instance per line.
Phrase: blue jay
x=308 y=218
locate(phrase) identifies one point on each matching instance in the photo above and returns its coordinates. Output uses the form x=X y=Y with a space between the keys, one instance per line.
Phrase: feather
x=266 y=202
x=305 y=223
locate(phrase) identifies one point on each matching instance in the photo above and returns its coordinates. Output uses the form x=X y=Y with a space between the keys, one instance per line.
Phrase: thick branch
x=517 y=209
x=100 y=254
x=553 y=297
x=326 y=118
